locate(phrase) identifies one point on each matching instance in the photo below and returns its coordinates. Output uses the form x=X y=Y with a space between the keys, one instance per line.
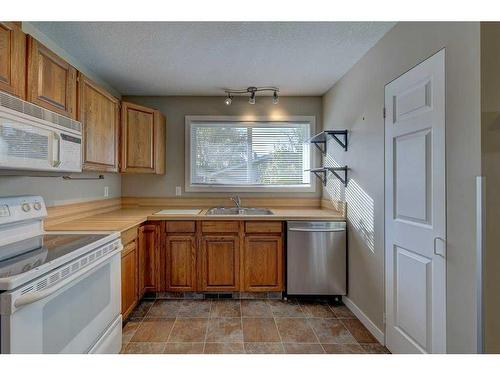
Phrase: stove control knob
x=37 y=206
x=25 y=207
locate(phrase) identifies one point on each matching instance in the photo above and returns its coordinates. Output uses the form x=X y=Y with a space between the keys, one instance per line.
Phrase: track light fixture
x=275 y=98
x=252 y=92
x=251 y=100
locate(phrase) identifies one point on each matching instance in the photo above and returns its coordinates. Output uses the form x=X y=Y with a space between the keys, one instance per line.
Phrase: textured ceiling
x=202 y=58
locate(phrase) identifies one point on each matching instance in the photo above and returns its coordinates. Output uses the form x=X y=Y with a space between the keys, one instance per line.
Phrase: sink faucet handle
x=237 y=200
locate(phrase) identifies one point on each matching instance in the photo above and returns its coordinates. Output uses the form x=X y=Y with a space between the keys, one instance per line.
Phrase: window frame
x=189 y=187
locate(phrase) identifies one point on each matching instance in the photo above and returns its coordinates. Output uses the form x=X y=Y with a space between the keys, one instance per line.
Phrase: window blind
x=250 y=154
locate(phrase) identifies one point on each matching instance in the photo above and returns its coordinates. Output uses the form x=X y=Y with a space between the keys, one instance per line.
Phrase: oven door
x=67 y=317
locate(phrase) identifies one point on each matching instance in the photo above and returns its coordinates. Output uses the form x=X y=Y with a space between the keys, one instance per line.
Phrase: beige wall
x=490 y=121
x=175 y=108
x=355 y=102
x=56 y=191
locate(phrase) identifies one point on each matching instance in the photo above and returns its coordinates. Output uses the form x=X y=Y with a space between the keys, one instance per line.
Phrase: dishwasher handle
x=316 y=230
x=316 y=226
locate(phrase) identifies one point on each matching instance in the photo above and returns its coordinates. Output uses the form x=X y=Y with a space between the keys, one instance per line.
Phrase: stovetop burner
x=20 y=257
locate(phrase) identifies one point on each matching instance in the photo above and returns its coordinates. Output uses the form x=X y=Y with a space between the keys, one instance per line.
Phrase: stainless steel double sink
x=239 y=211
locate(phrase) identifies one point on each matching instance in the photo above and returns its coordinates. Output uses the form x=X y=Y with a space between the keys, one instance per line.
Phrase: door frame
x=445 y=193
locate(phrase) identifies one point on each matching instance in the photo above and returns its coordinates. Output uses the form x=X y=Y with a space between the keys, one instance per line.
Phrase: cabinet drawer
x=263 y=226
x=180 y=226
x=129 y=235
x=220 y=226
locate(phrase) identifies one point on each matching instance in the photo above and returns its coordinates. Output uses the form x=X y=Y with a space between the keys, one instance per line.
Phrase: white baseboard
x=374 y=330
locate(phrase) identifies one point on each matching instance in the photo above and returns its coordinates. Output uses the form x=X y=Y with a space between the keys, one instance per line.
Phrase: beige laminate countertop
x=126 y=218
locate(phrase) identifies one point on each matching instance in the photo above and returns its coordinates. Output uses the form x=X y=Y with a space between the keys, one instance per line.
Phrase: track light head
x=276 y=99
x=251 y=99
x=228 y=100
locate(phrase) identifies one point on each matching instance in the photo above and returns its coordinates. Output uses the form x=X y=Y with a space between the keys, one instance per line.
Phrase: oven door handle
x=33 y=297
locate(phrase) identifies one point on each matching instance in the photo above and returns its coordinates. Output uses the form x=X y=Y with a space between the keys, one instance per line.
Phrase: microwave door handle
x=33 y=297
x=57 y=161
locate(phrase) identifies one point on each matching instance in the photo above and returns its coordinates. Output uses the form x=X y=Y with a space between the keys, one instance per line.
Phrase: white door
x=415 y=216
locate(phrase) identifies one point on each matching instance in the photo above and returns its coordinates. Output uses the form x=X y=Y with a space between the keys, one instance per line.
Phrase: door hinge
x=384 y=318
x=383 y=111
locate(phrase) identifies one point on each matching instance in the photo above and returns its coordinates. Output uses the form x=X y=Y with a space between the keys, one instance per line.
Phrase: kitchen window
x=234 y=154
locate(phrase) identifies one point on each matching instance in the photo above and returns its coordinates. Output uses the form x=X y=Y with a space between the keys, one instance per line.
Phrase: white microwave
x=33 y=138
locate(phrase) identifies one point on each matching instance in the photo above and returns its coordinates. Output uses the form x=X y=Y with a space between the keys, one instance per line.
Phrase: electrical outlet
x=106 y=191
x=178 y=191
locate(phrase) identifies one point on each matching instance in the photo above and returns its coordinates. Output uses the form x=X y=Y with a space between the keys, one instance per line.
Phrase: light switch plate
x=178 y=191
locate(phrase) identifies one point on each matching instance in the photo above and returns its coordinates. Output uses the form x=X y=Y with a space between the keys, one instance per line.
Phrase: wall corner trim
x=374 y=330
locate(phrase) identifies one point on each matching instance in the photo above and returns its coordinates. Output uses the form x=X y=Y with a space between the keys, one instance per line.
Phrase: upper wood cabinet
x=51 y=80
x=99 y=113
x=12 y=59
x=263 y=263
x=148 y=258
x=143 y=140
x=220 y=263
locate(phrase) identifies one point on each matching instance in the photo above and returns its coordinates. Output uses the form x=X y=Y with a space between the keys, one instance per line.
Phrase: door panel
x=129 y=278
x=51 y=80
x=220 y=263
x=100 y=116
x=148 y=260
x=412 y=284
x=138 y=138
x=12 y=59
x=412 y=177
x=415 y=212
x=263 y=263
x=180 y=263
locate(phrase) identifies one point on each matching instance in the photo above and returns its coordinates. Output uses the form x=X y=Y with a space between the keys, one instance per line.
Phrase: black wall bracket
x=322 y=174
x=321 y=140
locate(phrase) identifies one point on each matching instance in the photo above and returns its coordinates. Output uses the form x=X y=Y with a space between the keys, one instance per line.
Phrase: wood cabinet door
x=148 y=259
x=12 y=59
x=220 y=263
x=180 y=263
x=99 y=112
x=263 y=263
x=138 y=138
x=51 y=80
x=130 y=295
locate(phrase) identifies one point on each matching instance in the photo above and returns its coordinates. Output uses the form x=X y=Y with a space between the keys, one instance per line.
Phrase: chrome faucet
x=237 y=201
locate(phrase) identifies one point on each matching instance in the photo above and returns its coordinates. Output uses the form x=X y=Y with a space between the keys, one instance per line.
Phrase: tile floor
x=245 y=326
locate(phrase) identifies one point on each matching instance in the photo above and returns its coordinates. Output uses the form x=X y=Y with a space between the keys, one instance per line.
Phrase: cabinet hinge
x=383 y=111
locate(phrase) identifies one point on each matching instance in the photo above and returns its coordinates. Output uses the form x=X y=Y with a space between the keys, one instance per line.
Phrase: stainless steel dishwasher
x=316 y=258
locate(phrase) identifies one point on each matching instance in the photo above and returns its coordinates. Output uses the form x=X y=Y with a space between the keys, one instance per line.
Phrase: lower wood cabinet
x=221 y=256
x=148 y=258
x=263 y=263
x=140 y=260
x=220 y=263
x=130 y=286
x=179 y=263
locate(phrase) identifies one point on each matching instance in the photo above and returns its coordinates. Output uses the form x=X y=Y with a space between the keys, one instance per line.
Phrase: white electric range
x=60 y=292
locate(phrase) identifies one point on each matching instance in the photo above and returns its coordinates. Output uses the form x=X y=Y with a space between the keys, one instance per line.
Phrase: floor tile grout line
x=348 y=330
x=315 y=335
x=277 y=329
x=206 y=328
x=242 y=332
